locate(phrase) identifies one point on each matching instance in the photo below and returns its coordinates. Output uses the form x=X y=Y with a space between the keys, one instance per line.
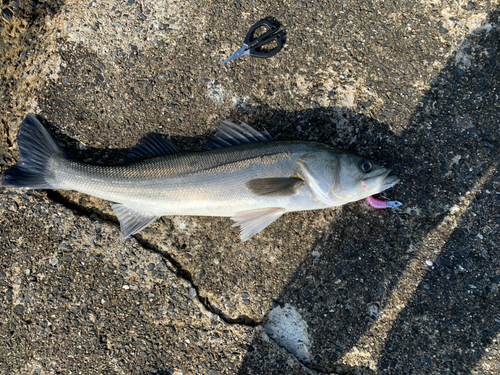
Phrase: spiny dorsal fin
x=150 y=146
x=253 y=221
x=131 y=221
x=229 y=134
x=275 y=187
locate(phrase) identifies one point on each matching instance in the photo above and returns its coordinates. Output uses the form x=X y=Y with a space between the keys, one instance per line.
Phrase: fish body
x=243 y=174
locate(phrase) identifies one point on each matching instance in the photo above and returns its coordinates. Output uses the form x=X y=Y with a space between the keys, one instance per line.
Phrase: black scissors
x=253 y=45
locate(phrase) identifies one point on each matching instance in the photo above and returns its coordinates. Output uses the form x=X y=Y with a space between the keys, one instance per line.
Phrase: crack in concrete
x=178 y=270
x=186 y=275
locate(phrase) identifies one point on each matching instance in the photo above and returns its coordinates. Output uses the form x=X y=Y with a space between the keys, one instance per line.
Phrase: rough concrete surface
x=414 y=85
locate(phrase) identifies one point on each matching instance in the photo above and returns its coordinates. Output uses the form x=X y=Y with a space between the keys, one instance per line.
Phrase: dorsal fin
x=229 y=134
x=150 y=146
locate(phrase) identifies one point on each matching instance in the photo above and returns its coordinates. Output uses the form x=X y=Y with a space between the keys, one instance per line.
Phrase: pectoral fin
x=253 y=221
x=275 y=187
x=131 y=222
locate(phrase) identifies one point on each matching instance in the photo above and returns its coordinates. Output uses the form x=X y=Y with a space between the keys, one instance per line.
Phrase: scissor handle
x=250 y=40
x=257 y=51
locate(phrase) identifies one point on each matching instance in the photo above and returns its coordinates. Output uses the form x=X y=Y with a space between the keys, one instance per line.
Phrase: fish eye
x=365 y=165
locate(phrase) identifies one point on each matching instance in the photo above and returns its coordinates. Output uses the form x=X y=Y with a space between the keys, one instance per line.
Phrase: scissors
x=253 y=45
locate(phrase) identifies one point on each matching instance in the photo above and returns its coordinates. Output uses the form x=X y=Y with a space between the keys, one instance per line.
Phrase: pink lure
x=380 y=205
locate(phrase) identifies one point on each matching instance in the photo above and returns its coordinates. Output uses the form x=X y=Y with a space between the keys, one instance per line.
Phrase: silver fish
x=242 y=173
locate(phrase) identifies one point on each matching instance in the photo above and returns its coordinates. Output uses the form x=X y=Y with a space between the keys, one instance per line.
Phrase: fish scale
x=243 y=174
x=214 y=186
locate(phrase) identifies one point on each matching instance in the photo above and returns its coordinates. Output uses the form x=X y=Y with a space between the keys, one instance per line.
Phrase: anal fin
x=131 y=222
x=253 y=221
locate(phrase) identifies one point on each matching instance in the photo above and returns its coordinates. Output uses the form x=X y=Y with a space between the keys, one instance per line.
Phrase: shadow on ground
x=372 y=298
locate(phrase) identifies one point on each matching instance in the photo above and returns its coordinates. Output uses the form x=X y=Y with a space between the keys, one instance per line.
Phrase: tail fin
x=37 y=148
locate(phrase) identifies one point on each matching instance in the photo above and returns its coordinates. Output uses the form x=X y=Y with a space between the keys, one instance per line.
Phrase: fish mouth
x=381 y=182
x=389 y=181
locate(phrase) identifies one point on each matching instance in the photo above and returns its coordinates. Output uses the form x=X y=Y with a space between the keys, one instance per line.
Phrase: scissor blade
x=242 y=51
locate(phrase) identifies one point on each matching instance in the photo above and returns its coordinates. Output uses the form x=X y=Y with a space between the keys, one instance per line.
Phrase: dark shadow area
x=450 y=146
x=453 y=315
x=114 y=156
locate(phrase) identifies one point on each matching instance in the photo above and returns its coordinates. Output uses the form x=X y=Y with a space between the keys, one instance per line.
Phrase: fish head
x=337 y=177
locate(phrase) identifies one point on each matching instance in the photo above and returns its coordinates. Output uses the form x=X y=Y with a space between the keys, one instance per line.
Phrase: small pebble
x=18 y=309
x=7 y=14
x=126 y=287
x=429 y=263
x=54 y=261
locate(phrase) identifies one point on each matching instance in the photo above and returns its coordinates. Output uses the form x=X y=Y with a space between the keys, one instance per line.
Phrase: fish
x=242 y=173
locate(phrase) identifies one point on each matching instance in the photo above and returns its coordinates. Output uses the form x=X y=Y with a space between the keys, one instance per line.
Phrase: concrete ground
x=414 y=85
